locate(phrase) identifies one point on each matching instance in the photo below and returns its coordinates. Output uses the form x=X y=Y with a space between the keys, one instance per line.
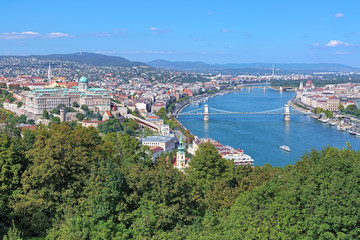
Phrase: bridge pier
x=287 y=113
x=264 y=89
x=249 y=88
x=206 y=112
x=281 y=89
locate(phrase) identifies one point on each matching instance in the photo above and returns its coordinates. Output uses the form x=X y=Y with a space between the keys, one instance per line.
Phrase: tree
x=314 y=199
x=84 y=107
x=45 y=114
x=99 y=116
x=162 y=113
x=13 y=233
x=31 y=121
x=19 y=104
x=75 y=104
x=55 y=120
x=61 y=161
x=22 y=119
x=12 y=166
x=109 y=126
x=206 y=167
x=341 y=108
x=79 y=116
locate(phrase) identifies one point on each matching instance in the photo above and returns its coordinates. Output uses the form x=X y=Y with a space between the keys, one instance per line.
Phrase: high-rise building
x=49 y=75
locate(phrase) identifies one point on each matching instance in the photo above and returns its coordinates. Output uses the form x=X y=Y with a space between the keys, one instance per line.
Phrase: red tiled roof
x=32 y=127
x=156 y=149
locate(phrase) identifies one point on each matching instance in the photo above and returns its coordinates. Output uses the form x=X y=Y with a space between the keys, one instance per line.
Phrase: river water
x=261 y=135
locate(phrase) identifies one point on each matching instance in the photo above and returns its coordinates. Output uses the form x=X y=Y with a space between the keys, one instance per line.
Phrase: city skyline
x=212 y=32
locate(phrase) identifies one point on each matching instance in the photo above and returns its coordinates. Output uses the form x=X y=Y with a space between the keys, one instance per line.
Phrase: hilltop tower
x=62 y=114
x=83 y=84
x=273 y=70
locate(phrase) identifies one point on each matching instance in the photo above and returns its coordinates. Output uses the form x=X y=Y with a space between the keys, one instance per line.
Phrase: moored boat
x=285 y=148
x=353 y=131
x=341 y=128
x=324 y=120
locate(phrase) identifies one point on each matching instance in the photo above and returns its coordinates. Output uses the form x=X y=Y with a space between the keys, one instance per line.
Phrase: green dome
x=83 y=80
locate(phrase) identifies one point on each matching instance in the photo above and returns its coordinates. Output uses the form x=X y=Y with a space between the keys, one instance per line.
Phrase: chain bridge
x=285 y=111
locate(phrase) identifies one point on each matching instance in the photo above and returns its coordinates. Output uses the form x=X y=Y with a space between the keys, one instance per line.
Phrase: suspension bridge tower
x=206 y=112
x=287 y=113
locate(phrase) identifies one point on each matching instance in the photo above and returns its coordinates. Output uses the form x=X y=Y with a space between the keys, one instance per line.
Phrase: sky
x=227 y=31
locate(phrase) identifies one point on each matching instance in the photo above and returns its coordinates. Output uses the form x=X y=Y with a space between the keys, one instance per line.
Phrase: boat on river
x=323 y=120
x=333 y=123
x=341 y=128
x=285 y=148
x=352 y=131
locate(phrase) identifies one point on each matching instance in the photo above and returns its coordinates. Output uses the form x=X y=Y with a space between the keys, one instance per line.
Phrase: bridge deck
x=245 y=113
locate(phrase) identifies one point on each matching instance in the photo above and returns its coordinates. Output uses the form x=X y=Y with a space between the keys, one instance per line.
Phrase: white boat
x=341 y=128
x=352 y=131
x=324 y=120
x=333 y=123
x=285 y=148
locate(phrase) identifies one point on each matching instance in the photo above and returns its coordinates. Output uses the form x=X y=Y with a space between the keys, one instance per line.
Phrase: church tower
x=180 y=156
x=83 y=84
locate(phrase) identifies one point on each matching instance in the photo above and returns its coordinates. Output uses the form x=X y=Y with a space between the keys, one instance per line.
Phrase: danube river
x=261 y=135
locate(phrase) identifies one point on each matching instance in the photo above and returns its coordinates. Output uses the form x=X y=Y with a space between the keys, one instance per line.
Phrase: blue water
x=261 y=135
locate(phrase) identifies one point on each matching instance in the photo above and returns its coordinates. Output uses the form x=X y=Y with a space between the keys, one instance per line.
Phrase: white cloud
x=154 y=29
x=343 y=53
x=31 y=35
x=17 y=35
x=316 y=44
x=337 y=43
x=226 y=30
x=57 y=35
x=101 y=34
x=339 y=15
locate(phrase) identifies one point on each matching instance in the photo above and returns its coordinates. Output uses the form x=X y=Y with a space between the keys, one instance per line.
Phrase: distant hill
x=183 y=65
x=93 y=59
x=252 y=67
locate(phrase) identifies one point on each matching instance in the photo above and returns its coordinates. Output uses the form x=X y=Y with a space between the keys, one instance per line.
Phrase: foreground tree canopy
x=69 y=183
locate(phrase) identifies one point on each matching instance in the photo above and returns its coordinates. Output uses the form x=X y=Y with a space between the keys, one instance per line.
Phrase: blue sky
x=236 y=31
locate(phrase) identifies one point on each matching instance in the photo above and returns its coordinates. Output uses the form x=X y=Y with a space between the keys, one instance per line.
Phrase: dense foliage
x=67 y=182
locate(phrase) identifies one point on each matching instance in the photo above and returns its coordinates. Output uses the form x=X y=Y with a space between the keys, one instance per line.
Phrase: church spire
x=181 y=147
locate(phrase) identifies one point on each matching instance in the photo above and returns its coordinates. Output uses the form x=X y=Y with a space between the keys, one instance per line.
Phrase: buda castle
x=38 y=100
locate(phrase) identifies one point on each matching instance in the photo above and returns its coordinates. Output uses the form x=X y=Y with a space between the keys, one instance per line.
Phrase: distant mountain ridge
x=182 y=65
x=201 y=66
x=92 y=59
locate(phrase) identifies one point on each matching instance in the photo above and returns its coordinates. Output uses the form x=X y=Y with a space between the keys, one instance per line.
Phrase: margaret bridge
x=285 y=111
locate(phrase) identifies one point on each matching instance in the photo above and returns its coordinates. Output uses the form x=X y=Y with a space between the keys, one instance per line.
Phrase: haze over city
x=209 y=31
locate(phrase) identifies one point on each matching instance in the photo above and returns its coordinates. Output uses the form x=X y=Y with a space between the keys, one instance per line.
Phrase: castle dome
x=83 y=80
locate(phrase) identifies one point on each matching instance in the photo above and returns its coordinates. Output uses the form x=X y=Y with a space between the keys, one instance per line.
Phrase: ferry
x=285 y=148
x=353 y=131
